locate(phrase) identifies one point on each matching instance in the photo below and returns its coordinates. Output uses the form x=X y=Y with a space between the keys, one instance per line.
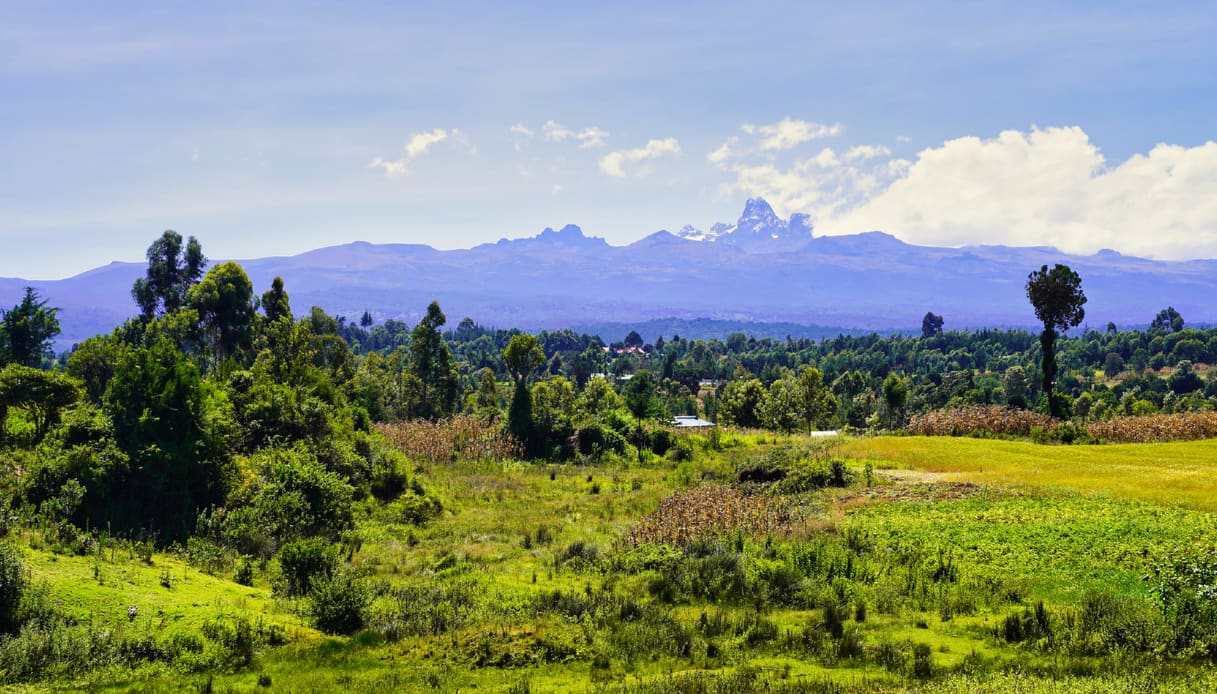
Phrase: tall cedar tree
x=1057 y=297
x=521 y=356
x=27 y=330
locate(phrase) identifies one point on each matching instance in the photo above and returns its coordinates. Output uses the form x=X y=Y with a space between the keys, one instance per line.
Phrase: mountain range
x=760 y=269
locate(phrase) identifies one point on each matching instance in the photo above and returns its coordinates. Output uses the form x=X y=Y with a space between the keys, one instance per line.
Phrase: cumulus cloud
x=522 y=130
x=416 y=146
x=1054 y=187
x=1049 y=186
x=614 y=163
x=588 y=137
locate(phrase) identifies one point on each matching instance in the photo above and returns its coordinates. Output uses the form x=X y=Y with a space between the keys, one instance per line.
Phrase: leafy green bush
x=1065 y=433
x=661 y=441
x=337 y=604
x=303 y=563
x=12 y=587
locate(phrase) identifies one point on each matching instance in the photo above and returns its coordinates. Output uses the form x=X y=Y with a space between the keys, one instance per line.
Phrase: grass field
x=1177 y=474
x=525 y=583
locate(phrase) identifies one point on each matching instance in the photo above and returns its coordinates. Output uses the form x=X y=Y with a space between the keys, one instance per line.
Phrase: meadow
x=759 y=562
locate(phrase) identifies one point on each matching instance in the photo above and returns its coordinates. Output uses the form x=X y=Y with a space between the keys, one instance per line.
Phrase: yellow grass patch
x=1180 y=473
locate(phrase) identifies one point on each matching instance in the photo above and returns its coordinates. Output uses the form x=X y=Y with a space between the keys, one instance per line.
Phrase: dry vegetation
x=1003 y=421
x=990 y=419
x=707 y=511
x=465 y=437
x=1183 y=426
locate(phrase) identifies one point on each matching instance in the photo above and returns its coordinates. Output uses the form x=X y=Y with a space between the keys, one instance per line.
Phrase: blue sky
x=273 y=128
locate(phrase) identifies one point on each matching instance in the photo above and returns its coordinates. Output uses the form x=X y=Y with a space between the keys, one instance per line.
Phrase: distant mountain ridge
x=759 y=269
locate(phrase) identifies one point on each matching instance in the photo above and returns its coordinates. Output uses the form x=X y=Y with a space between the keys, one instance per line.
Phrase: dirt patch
x=918 y=486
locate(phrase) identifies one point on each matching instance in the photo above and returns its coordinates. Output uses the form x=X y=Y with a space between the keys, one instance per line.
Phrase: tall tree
x=895 y=395
x=640 y=399
x=1168 y=320
x=275 y=302
x=224 y=300
x=521 y=356
x=171 y=271
x=1058 y=300
x=931 y=324
x=27 y=330
x=431 y=363
x=815 y=399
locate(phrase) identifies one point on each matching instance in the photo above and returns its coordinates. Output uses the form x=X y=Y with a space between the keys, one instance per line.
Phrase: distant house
x=685 y=421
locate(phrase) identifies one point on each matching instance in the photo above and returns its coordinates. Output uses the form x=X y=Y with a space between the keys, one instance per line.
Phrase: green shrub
x=661 y=441
x=305 y=562
x=12 y=586
x=337 y=604
x=1065 y=433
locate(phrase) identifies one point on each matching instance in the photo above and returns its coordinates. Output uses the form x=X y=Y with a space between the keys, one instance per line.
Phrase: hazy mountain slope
x=760 y=269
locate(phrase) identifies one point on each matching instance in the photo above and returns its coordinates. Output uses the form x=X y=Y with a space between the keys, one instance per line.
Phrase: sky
x=273 y=128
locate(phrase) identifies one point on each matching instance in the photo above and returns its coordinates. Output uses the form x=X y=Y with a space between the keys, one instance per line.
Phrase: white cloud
x=1054 y=187
x=555 y=131
x=421 y=142
x=522 y=130
x=591 y=137
x=784 y=135
x=864 y=152
x=417 y=145
x=393 y=169
x=788 y=133
x=614 y=163
x=1049 y=186
x=724 y=152
x=588 y=137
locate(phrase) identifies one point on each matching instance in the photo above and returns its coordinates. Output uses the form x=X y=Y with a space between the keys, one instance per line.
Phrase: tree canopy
x=171 y=271
x=27 y=329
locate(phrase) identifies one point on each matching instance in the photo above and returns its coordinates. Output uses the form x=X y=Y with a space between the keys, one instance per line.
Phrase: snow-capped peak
x=757 y=229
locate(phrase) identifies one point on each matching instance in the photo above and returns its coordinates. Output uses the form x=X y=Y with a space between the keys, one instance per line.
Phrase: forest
x=231 y=493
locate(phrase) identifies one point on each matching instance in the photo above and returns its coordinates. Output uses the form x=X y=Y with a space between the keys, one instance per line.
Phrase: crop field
x=1173 y=474
x=897 y=564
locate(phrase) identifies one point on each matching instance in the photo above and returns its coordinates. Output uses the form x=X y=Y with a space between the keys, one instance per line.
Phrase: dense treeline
x=874 y=381
x=214 y=413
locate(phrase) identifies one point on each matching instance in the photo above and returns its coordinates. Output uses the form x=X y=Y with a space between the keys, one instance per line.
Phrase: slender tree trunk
x=1048 y=347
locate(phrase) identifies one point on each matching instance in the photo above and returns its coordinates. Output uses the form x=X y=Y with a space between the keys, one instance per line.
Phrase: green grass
x=1020 y=523
x=1182 y=473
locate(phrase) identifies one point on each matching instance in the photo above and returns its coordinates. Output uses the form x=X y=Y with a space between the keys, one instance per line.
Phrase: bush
x=337 y=604
x=1065 y=433
x=592 y=439
x=12 y=587
x=661 y=441
x=304 y=563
